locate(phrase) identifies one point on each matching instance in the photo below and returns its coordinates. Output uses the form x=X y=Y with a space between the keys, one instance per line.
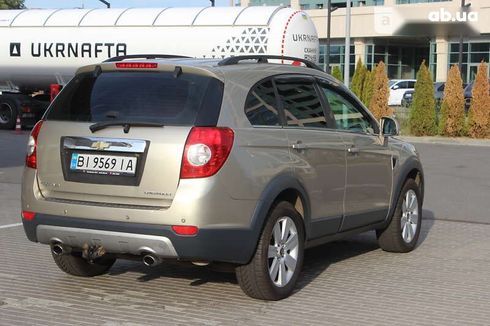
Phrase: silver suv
x=240 y=161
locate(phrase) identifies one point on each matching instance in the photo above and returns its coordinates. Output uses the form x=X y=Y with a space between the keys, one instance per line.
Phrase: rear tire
x=8 y=114
x=273 y=271
x=402 y=233
x=75 y=265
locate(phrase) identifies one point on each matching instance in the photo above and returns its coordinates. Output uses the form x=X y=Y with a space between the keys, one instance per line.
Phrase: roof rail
x=265 y=59
x=144 y=56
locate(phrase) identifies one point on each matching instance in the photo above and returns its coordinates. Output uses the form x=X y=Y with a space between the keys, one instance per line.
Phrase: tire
x=256 y=277
x=8 y=114
x=75 y=265
x=402 y=234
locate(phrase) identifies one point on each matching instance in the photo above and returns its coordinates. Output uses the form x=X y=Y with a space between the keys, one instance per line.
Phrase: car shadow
x=317 y=260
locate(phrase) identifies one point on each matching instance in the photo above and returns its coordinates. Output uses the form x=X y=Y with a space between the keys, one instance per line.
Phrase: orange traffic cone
x=18 y=128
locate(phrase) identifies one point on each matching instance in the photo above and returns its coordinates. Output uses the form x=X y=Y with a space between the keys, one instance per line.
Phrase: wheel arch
x=281 y=188
x=411 y=169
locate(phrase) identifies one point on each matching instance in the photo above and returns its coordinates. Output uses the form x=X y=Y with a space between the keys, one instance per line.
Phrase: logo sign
x=100 y=145
x=387 y=20
x=71 y=50
x=444 y=15
x=15 y=49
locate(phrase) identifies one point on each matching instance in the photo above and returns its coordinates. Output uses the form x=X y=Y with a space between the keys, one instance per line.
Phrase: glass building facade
x=402 y=2
x=402 y=62
x=317 y=4
x=337 y=55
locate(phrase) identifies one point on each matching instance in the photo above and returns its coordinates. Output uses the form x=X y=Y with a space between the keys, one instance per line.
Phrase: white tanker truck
x=39 y=48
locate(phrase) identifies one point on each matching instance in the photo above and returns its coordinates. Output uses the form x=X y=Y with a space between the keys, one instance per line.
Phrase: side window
x=302 y=106
x=347 y=116
x=403 y=85
x=261 y=107
x=411 y=84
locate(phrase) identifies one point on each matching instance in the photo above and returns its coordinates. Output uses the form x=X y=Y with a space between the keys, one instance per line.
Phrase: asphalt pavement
x=445 y=281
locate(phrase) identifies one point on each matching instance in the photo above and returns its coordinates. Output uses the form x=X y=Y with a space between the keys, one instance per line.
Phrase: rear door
x=127 y=163
x=317 y=151
x=369 y=162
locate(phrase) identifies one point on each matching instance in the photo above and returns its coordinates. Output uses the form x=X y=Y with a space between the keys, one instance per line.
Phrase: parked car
x=438 y=95
x=407 y=98
x=398 y=87
x=236 y=161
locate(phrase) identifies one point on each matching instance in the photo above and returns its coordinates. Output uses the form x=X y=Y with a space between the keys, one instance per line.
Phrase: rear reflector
x=28 y=216
x=185 y=229
x=137 y=65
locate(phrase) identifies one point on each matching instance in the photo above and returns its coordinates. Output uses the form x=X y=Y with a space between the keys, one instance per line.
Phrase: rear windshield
x=140 y=97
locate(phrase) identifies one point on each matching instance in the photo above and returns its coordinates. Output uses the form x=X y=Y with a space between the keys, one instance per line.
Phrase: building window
x=338 y=3
x=473 y=54
x=402 y=2
x=402 y=62
x=337 y=53
x=433 y=59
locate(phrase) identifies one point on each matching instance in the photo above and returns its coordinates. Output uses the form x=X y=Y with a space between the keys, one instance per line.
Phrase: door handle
x=353 y=150
x=299 y=146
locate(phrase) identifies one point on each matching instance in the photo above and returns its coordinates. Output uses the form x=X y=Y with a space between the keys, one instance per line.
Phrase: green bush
x=422 y=119
x=379 y=100
x=452 y=118
x=337 y=73
x=479 y=114
x=358 y=78
x=367 y=87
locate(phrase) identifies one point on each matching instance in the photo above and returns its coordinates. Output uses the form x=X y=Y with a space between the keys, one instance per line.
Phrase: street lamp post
x=347 y=45
x=329 y=24
x=464 y=6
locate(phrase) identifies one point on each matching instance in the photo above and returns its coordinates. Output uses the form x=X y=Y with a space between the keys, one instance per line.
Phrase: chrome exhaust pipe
x=151 y=260
x=57 y=249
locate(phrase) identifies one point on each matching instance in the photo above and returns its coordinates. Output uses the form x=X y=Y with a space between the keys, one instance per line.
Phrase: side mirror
x=394 y=87
x=389 y=127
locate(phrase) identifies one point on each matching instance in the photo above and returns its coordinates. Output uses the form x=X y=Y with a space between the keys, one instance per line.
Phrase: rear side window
x=140 y=97
x=302 y=106
x=261 y=105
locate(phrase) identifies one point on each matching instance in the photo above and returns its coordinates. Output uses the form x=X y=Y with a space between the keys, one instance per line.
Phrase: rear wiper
x=126 y=124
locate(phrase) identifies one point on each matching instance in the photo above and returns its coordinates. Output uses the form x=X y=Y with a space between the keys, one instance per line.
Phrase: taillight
x=31 y=158
x=205 y=152
x=136 y=65
x=28 y=216
x=185 y=229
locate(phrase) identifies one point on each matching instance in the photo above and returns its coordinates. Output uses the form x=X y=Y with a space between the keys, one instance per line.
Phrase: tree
x=379 y=100
x=367 y=87
x=422 y=119
x=12 y=4
x=479 y=115
x=358 y=78
x=451 y=122
x=337 y=73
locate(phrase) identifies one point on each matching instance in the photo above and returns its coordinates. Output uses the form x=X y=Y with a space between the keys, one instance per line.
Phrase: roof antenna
x=106 y=3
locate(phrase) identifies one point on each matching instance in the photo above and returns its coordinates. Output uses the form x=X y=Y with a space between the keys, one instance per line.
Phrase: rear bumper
x=216 y=244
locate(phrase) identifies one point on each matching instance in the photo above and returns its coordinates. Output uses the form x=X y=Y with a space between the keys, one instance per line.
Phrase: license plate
x=103 y=164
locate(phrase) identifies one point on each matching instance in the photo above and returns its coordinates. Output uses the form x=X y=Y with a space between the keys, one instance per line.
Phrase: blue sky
x=121 y=3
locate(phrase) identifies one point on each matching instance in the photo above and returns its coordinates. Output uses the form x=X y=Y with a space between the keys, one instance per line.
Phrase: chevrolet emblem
x=100 y=145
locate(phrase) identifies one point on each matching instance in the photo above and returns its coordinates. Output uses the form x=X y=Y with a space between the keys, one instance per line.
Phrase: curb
x=446 y=141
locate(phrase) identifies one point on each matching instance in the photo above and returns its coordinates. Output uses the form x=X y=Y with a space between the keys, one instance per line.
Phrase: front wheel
x=402 y=233
x=273 y=271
